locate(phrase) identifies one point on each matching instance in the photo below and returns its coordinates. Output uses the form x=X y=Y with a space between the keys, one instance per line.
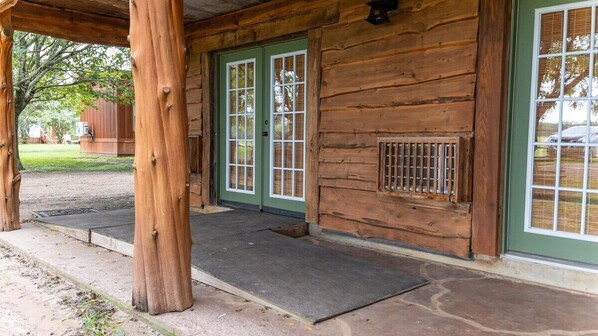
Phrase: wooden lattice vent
x=425 y=167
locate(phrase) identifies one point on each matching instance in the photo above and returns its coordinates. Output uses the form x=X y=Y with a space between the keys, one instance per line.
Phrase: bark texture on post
x=11 y=179
x=162 y=252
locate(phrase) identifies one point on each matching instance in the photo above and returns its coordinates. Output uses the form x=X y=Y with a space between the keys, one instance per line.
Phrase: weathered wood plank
x=354 y=171
x=401 y=69
x=368 y=155
x=451 y=117
x=415 y=16
x=314 y=77
x=253 y=15
x=450 y=34
x=70 y=25
x=456 y=246
x=387 y=211
x=347 y=184
x=276 y=28
x=454 y=89
x=491 y=107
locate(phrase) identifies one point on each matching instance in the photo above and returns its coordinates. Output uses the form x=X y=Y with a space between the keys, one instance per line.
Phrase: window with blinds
x=425 y=167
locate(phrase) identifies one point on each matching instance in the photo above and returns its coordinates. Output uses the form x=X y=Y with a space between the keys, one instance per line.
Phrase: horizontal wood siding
x=414 y=76
x=113 y=129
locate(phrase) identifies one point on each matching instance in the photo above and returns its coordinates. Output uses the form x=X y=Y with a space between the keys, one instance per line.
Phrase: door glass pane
x=545 y=166
x=542 y=209
x=288 y=138
x=241 y=126
x=563 y=176
x=549 y=77
x=551 y=33
x=569 y=219
x=579 y=28
x=592 y=215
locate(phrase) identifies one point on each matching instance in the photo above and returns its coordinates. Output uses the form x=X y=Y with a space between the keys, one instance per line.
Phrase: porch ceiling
x=194 y=9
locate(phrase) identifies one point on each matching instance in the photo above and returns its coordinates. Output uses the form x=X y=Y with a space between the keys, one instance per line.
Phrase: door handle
x=265 y=133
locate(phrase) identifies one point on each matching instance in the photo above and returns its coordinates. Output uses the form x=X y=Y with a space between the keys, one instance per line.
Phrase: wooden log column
x=11 y=179
x=162 y=252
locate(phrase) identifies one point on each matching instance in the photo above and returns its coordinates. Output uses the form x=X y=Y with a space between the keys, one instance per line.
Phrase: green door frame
x=516 y=239
x=261 y=197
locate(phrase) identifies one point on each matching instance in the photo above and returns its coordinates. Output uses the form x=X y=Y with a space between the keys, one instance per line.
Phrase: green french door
x=262 y=126
x=552 y=206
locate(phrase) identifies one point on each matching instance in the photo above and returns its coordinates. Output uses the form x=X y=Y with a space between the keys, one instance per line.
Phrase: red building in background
x=110 y=129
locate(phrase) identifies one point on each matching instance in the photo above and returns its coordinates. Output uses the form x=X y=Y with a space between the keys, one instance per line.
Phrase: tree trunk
x=11 y=179
x=162 y=247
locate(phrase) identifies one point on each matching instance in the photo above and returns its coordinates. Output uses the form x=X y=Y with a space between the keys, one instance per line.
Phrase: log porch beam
x=162 y=246
x=11 y=179
x=70 y=25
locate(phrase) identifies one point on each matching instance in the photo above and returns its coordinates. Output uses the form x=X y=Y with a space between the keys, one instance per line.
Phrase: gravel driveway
x=71 y=190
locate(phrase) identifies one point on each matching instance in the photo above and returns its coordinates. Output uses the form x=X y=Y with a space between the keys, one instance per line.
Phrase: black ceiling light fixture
x=379 y=12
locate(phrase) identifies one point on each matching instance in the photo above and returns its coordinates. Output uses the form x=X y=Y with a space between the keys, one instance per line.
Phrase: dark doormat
x=309 y=281
x=238 y=249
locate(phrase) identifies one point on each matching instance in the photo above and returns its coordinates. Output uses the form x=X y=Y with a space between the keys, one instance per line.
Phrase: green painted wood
x=516 y=238
x=261 y=197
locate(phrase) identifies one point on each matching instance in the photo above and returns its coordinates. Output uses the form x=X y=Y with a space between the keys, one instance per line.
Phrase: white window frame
x=532 y=124
x=283 y=141
x=227 y=126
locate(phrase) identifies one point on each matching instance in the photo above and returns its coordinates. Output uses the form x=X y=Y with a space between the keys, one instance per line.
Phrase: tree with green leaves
x=74 y=75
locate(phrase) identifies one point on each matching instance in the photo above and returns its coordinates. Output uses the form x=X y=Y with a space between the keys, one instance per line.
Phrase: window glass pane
x=241 y=127
x=575 y=119
x=242 y=74
x=593 y=169
x=551 y=33
x=288 y=127
x=542 y=209
x=299 y=155
x=277 y=154
x=250 y=101
x=572 y=166
x=288 y=182
x=232 y=72
x=549 y=77
x=278 y=74
x=278 y=127
x=232 y=181
x=288 y=154
x=545 y=166
x=579 y=23
x=592 y=215
x=232 y=108
x=300 y=98
x=241 y=101
x=569 y=217
x=250 y=74
x=577 y=75
x=241 y=145
x=547 y=122
x=298 y=184
x=241 y=182
x=278 y=99
x=277 y=182
x=289 y=70
x=300 y=59
x=299 y=126
x=232 y=152
x=249 y=185
x=249 y=131
x=232 y=127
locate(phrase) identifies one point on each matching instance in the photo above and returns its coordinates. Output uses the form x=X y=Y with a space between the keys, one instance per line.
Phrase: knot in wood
x=3 y=85
x=1 y=144
x=132 y=61
x=134 y=165
x=9 y=153
x=129 y=38
x=154 y=235
x=133 y=2
x=169 y=107
x=154 y=159
x=6 y=32
x=166 y=90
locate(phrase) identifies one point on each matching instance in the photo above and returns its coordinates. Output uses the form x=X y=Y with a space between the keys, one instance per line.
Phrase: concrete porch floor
x=456 y=302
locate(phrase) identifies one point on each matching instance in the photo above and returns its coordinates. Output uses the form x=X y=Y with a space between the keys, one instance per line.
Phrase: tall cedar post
x=162 y=252
x=11 y=179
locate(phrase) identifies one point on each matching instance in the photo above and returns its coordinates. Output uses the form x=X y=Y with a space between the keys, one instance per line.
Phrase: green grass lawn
x=47 y=158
